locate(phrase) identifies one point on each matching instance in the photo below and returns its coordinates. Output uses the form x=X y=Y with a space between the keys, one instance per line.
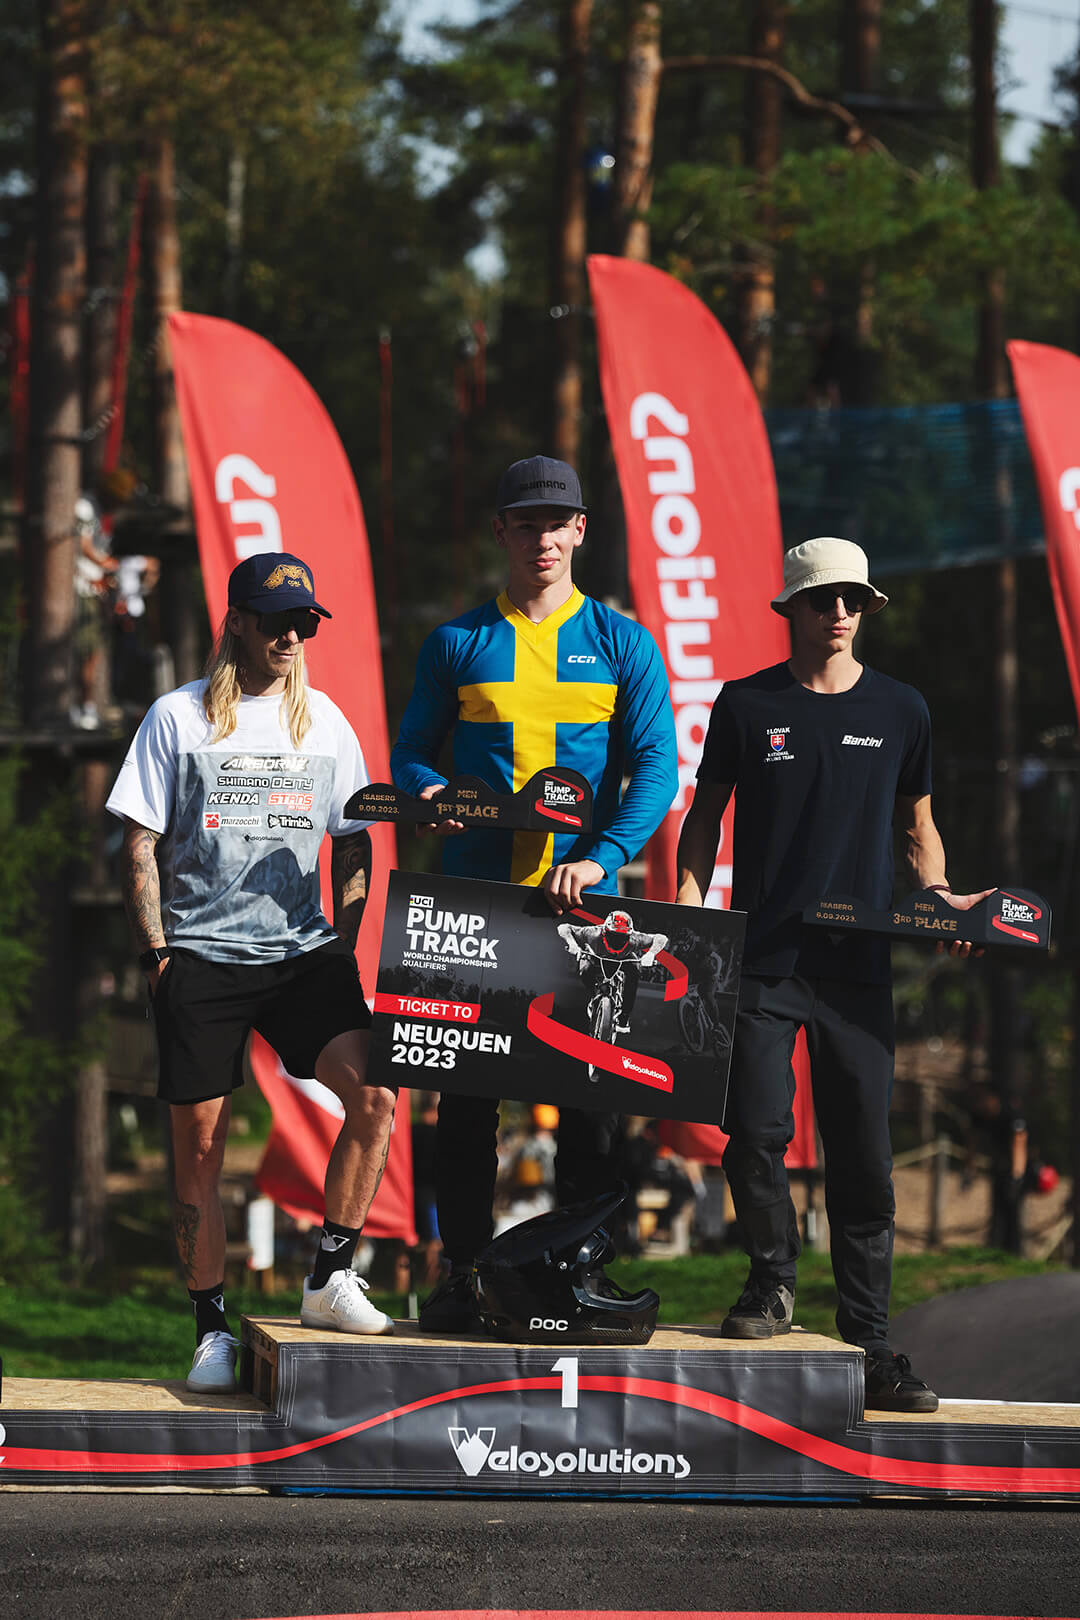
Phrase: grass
x=140 y=1327
x=700 y=1288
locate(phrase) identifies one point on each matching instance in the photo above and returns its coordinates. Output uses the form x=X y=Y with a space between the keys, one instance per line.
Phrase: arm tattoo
x=142 y=888
x=350 y=875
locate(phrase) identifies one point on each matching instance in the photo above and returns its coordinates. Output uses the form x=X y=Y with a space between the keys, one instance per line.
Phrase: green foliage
x=138 y=1329
x=141 y=1327
x=239 y=69
x=33 y=1068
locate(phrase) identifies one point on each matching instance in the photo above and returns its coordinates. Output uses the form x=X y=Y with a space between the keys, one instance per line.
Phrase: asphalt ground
x=1005 y=1341
x=90 y=1556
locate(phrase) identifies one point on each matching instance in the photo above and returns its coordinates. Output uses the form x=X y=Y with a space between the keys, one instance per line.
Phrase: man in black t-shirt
x=821 y=754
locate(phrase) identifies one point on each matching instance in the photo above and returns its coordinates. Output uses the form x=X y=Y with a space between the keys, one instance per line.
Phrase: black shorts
x=204 y=1012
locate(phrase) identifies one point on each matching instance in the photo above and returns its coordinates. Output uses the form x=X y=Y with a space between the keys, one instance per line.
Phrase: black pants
x=849 y=1035
x=466 y=1165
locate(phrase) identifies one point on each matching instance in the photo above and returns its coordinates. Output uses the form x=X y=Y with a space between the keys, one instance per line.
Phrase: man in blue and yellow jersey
x=540 y=676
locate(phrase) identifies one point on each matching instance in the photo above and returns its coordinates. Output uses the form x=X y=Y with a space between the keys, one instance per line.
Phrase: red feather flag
x=704 y=544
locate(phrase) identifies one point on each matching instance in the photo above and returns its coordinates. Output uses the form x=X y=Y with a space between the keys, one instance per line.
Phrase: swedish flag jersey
x=586 y=689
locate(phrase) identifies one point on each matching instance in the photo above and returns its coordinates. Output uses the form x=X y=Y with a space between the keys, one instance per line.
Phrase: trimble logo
x=477 y=1452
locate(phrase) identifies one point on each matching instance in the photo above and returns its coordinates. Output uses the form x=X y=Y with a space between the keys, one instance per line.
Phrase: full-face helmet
x=543 y=1282
x=618 y=923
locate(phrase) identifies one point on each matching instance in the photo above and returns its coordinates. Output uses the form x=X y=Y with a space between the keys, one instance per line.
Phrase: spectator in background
x=94 y=567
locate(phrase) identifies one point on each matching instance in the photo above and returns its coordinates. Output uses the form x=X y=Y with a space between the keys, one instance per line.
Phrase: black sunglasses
x=303 y=620
x=856 y=598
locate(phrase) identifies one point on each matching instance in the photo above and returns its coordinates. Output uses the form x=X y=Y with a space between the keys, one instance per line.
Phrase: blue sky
x=1037 y=36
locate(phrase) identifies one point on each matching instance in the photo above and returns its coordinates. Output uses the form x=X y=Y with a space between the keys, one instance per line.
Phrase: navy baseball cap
x=539 y=481
x=271 y=582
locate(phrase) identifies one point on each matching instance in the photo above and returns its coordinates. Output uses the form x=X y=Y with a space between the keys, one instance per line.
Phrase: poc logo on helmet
x=549 y=1324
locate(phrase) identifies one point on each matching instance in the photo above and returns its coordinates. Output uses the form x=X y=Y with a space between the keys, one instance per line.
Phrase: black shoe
x=450 y=1307
x=760 y=1312
x=891 y=1386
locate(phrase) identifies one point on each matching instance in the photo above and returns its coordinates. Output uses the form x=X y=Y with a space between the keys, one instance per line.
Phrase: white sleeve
x=145 y=789
x=350 y=773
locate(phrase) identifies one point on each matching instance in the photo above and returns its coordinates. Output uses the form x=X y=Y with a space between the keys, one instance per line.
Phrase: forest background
x=825 y=175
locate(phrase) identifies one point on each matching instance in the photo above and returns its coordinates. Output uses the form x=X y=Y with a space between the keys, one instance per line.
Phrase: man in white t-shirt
x=226 y=793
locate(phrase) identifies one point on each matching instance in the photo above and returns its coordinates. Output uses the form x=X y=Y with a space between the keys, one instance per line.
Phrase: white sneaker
x=214 y=1366
x=342 y=1304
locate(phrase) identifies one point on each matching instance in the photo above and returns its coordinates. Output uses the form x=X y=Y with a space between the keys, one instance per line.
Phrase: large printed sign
x=621 y=1005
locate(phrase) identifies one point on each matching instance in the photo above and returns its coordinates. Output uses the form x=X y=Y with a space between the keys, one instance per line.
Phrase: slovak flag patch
x=776 y=741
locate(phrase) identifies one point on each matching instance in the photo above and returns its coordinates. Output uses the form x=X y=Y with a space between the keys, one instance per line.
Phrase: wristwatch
x=150 y=959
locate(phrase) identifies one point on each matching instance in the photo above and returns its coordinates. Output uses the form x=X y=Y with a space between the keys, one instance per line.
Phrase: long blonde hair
x=221 y=697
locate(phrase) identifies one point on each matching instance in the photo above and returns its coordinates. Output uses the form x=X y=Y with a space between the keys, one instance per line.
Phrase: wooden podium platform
x=689 y=1415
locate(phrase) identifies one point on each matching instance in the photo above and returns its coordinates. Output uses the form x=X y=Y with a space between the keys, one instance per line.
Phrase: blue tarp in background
x=918 y=486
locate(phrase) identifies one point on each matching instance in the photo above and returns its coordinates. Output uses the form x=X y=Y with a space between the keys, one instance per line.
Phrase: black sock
x=209 y=1306
x=335 y=1252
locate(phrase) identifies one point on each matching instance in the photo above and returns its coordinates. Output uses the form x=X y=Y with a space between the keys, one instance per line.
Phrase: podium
x=688 y=1416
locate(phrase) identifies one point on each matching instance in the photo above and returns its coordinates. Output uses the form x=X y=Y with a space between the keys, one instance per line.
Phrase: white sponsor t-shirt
x=241 y=820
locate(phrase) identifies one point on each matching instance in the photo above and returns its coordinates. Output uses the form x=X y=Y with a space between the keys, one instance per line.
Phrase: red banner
x=703 y=536
x=1048 y=386
x=268 y=473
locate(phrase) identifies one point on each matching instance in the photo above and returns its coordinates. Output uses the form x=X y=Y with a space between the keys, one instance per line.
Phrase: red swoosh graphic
x=556 y=815
x=648 y=1071
x=845 y=1459
x=1017 y=933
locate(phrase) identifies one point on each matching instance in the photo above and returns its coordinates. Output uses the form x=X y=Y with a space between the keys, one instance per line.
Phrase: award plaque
x=553 y=800
x=1015 y=917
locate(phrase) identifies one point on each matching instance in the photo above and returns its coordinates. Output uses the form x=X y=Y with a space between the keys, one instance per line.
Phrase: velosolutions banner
x=268 y=473
x=703 y=536
x=483 y=990
x=1048 y=386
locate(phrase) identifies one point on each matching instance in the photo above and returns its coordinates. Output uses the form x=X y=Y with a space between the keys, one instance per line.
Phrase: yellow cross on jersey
x=585 y=688
x=536 y=703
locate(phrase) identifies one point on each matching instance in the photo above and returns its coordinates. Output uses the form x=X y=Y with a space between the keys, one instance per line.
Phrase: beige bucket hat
x=825 y=561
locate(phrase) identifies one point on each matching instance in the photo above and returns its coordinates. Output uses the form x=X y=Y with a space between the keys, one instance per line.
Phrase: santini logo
x=861 y=742
x=475 y=1452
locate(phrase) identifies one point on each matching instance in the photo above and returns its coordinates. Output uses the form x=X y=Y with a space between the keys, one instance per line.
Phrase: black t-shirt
x=816 y=779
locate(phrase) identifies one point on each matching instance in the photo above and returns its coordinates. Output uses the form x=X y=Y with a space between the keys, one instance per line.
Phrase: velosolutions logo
x=477 y=1451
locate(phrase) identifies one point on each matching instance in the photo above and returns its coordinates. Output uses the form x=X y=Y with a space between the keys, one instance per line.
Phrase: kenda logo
x=477 y=1452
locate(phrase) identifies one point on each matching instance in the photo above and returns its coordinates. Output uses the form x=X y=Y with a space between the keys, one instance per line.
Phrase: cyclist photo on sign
x=707 y=1009
x=609 y=960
